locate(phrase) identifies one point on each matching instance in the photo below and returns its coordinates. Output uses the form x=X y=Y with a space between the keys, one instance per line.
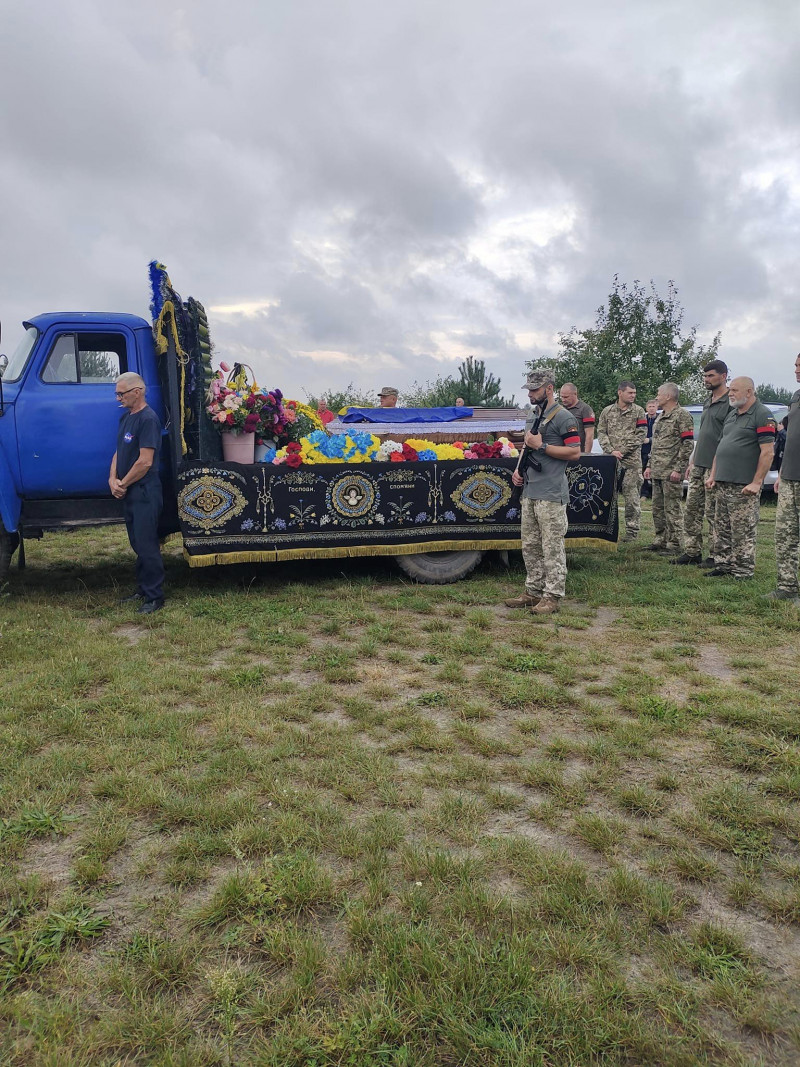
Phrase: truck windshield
x=16 y=364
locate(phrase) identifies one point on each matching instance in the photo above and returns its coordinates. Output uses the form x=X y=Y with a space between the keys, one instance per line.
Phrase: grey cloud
x=345 y=161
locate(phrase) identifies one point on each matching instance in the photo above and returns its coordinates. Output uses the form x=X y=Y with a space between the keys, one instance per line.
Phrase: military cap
x=543 y=376
x=388 y=390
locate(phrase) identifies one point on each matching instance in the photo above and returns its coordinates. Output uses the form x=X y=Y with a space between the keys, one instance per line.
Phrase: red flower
x=230 y=419
x=409 y=453
x=293 y=460
x=250 y=402
x=293 y=448
x=396 y=457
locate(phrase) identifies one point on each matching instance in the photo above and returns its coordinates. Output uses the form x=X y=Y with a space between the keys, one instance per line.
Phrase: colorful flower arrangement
x=320 y=447
x=236 y=405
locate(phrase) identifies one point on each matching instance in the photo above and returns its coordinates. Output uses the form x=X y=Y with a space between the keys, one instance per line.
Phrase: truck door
x=66 y=414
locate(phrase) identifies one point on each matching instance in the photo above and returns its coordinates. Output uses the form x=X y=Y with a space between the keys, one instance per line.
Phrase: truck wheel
x=439 y=568
x=8 y=545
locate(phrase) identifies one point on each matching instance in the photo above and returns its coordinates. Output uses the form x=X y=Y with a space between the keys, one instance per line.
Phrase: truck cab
x=58 y=418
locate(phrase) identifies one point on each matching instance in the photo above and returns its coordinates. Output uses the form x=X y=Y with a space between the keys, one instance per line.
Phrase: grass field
x=313 y=814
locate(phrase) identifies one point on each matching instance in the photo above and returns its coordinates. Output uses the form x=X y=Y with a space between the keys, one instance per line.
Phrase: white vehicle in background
x=778 y=410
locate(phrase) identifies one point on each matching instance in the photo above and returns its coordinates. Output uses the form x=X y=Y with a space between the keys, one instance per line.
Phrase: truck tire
x=8 y=545
x=439 y=568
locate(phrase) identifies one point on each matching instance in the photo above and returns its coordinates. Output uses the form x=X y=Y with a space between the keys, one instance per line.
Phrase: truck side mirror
x=3 y=363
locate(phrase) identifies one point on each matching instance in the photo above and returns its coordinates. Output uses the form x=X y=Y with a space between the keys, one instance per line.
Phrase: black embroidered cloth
x=231 y=512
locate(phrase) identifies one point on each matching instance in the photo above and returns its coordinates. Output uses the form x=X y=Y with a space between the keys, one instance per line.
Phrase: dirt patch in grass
x=51 y=859
x=602 y=622
x=129 y=632
x=777 y=946
x=715 y=663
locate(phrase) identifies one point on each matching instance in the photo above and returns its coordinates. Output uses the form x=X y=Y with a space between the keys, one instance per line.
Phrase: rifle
x=527 y=459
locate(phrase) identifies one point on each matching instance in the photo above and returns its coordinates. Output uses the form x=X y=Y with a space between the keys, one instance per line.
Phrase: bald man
x=673 y=440
x=584 y=416
x=134 y=480
x=743 y=457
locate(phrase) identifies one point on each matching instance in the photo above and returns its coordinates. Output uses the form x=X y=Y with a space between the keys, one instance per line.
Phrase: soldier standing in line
x=787 y=519
x=699 y=500
x=568 y=395
x=545 y=496
x=673 y=438
x=621 y=432
x=744 y=455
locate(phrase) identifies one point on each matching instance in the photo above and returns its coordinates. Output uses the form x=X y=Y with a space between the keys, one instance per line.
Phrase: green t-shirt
x=739 y=448
x=791 y=456
x=550 y=483
x=708 y=436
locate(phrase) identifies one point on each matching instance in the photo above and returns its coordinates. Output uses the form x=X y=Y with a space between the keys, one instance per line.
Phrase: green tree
x=473 y=385
x=439 y=394
x=773 y=394
x=477 y=387
x=349 y=397
x=637 y=335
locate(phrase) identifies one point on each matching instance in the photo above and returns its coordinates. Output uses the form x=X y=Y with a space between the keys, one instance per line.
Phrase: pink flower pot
x=238 y=447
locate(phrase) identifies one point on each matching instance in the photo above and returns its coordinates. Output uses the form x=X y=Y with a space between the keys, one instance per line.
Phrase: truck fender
x=10 y=503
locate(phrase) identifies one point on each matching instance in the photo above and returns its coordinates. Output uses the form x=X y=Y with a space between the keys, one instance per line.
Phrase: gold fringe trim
x=349 y=552
x=214 y=559
x=591 y=542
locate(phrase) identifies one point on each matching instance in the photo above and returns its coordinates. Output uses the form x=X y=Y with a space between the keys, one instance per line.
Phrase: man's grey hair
x=569 y=385
x=131 y=380
x=748 y=383
x=672 y=391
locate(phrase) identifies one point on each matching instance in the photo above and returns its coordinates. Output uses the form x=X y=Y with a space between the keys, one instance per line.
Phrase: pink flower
x=225 y=367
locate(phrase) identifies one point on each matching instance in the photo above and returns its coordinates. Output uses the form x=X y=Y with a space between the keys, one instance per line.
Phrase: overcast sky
x=371 y=190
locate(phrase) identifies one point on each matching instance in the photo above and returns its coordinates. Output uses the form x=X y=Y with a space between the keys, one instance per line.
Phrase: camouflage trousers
x=736 y=526
x=632 y=479
x=667 y=513
x=700 y=503
x=544 y=524
x=787 y=536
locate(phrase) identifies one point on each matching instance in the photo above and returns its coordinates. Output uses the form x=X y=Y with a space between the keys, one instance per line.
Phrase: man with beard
x=743 y=457
x=699 y=500
x=545 y=496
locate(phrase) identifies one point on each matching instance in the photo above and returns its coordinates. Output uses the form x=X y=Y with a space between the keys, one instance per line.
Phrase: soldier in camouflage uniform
x=545 y=496
x=673 y=439
x=701 y=502
x=621 y=432
x=743 y=457
x=787 y=519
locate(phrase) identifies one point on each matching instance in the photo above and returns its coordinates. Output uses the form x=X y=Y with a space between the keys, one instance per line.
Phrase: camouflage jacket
x=623 y=431
x=673 y=441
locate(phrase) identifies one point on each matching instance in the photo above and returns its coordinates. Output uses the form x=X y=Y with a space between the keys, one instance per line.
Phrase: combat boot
x=783 y=594
x=685 y=559
x=525 y=600
x=548 y=605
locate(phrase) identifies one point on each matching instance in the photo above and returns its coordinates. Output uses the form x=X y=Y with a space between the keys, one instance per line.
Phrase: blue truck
x=58 y=422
